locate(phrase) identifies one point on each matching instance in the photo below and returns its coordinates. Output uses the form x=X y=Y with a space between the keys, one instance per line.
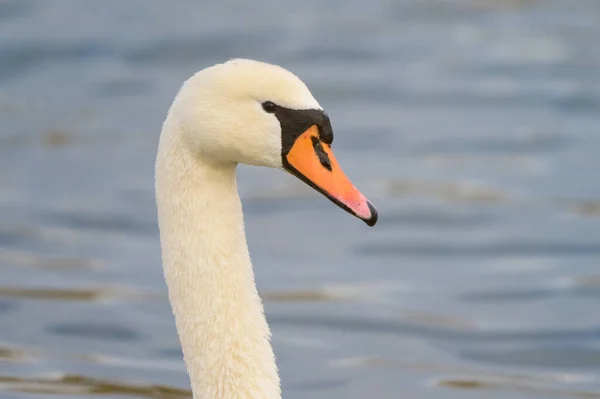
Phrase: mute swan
x=247 y=112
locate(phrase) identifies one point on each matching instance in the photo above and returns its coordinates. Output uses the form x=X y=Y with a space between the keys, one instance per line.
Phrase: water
x=472 y=125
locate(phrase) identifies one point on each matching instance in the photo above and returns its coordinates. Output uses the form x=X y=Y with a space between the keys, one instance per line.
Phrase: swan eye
x=269 y=107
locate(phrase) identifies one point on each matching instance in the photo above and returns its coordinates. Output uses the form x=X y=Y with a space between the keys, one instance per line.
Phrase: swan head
x=250 y=112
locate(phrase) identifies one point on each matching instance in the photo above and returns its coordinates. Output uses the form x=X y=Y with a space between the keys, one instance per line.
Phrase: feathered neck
x=219 y=315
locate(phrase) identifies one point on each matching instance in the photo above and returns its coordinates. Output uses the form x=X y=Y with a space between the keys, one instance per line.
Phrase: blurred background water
x=471 y=124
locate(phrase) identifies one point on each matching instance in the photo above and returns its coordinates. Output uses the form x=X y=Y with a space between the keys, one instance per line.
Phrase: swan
x=240 y=111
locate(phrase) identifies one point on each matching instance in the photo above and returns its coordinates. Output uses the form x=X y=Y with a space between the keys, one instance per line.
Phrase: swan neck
x=218 y=312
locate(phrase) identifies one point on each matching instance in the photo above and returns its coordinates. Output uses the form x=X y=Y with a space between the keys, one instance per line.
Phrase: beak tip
x=374 y=215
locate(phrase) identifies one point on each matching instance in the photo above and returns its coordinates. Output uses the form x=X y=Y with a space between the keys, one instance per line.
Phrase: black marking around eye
x=323 y=157
x=294 y=122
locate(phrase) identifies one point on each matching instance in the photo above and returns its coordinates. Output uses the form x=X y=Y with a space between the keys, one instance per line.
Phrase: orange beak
x=312 y=161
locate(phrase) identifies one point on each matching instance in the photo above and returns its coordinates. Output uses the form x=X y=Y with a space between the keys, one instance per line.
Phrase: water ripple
x=500 y=249
x=433 y=332
x=75 y=294
x=103 y=332
x=71 y=385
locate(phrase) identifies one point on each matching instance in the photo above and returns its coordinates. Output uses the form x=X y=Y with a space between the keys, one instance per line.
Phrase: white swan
x=248 y=112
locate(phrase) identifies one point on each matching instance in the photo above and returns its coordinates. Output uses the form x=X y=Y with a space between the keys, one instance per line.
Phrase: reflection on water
x=43 y=261
x=11 y=355
x=472 y=125
x=69 y=385
x=496 y=249
x=91 y=294
x=508 y=385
